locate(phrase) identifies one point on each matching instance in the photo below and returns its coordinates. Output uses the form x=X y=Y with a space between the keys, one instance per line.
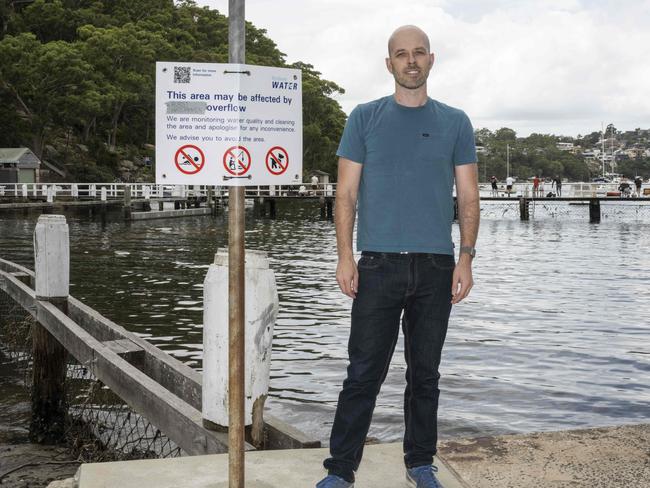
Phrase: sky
x=558 y=67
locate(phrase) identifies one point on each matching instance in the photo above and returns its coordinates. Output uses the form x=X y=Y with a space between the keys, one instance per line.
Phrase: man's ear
x=389 y=66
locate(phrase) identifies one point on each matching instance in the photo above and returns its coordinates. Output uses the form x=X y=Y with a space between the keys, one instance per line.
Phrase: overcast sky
x=546 y=66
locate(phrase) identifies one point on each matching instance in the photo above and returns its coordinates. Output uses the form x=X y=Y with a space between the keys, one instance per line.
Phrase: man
x=495 y=188
x=509 y=182
x=557 y=183
x=398 y=159
x=638 y=182
x=536 y=186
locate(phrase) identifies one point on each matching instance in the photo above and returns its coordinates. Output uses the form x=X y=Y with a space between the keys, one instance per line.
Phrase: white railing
x=100 y=191
x=578 y=189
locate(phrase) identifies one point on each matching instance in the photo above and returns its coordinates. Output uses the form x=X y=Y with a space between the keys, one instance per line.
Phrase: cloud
x=559 y=66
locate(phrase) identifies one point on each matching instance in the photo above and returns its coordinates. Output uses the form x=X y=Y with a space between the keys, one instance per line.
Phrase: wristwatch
x=468 y=250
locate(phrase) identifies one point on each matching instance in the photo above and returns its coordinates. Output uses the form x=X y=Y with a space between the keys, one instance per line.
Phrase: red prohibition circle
x=272 y=161
x=196 y=166
x=230 y=159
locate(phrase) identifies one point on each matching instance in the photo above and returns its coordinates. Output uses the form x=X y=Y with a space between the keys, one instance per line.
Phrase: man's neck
x=411 y=98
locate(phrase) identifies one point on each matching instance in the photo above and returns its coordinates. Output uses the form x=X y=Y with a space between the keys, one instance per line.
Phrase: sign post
x=236 y=125
x=236 y=282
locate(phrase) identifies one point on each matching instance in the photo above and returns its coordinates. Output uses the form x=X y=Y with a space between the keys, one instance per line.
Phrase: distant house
x=564 y=146
x=482 y=150
x=19 y=165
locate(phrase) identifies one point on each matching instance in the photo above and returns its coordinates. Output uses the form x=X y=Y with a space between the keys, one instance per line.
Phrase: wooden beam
x=171 y=374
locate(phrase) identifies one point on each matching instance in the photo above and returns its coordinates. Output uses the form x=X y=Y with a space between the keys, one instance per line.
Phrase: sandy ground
x=608 y=457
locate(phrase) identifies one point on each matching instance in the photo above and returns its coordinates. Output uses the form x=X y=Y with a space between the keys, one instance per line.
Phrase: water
x=554 y=335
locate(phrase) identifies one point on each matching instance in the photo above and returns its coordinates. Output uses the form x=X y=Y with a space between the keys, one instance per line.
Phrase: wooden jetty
x=141 y=201
x=153 y=383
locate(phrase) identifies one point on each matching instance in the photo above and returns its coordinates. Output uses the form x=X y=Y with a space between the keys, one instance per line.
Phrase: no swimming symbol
x=189 y=159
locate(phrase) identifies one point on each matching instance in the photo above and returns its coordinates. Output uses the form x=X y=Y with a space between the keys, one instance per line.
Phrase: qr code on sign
x=182 y=74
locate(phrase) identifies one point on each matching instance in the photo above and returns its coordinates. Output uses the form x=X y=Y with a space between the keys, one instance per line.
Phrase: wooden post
x=52 y=266
x=211 y=203
x=323 y=210
x=272 y=208
x=236 y=281
x=523 y=209
x=127 y=202
x=594 y=210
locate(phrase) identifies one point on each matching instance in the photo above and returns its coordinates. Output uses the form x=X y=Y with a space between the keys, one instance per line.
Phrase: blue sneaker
x=423 y=476
x=333 y=481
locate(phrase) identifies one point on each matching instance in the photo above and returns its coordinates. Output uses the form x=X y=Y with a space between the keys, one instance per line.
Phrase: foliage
x=83 y=71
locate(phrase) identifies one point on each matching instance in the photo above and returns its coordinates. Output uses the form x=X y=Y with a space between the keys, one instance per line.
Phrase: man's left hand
x=462 y=281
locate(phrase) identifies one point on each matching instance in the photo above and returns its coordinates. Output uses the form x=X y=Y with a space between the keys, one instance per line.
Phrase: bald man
x=399 y=158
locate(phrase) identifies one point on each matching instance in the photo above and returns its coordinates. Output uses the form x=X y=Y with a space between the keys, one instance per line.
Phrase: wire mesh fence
x=99 y=425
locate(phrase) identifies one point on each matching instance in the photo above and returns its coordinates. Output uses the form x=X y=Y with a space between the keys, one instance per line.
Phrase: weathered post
x=323 y=209
x=127 y=202
x=236 y=279
x=272 y=213
x=261 y=312
x=212 y=205
x=594 y=210
x=330 y=209
x=52 y=267
x=524 y=209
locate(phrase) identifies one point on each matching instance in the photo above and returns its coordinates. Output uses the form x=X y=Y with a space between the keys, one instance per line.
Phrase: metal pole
x=236 y=270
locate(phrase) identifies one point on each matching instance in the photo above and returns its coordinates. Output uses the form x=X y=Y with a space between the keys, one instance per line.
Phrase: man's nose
x=411 y=58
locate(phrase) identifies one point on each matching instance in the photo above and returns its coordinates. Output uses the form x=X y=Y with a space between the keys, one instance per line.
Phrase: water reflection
x=554 y=335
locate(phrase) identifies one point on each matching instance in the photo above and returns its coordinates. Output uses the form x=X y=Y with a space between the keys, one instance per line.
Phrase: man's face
x=410 y=60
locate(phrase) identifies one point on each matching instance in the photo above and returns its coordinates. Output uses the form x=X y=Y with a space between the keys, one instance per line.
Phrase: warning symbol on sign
x=277 y=160
x=237 y=160
x=189 y=159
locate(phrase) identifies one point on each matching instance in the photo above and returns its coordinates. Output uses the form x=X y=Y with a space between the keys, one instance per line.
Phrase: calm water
x=555 y=334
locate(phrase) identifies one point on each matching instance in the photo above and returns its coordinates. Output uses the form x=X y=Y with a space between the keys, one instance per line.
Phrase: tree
x=35 y=86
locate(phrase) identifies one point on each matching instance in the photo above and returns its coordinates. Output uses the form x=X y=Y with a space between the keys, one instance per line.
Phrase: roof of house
x=21 y=156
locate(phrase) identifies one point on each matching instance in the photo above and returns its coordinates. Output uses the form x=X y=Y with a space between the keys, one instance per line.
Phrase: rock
x=149 y=147
x=82 y=147
x=66 y=483
x=126 y=164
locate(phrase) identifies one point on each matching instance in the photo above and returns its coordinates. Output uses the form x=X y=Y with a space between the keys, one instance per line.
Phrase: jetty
x=144 y=201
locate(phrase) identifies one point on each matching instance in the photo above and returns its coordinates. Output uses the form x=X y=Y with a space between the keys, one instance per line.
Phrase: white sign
x=228 y=124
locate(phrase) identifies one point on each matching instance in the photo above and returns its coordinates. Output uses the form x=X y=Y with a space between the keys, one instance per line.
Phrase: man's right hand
x=348 y=276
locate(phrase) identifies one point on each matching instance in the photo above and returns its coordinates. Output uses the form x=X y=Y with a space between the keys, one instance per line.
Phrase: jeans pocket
x=369 y=262
x=443 y=261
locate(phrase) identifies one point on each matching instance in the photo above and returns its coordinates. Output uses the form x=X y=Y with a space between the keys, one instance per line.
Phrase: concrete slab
x=381 y=468
x=611 y=457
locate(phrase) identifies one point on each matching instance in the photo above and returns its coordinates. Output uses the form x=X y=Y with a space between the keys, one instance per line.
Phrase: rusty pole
x=236 y=284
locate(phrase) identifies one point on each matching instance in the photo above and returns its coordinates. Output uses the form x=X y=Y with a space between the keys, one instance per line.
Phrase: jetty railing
x=157 y=387
x=113 y=191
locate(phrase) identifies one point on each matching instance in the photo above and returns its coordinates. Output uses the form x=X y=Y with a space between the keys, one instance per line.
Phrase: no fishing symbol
x=277 y=160
x=237 y=160
x=189 y=159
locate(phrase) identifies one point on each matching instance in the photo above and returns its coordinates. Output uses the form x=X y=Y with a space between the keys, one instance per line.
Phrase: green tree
x=34 y=85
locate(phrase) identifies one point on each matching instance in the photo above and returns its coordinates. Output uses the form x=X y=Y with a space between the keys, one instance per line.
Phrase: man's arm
x=468 y=217
x=347 y=188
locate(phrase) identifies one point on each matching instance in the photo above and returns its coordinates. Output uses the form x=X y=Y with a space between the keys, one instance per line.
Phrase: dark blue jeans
x=416 y=287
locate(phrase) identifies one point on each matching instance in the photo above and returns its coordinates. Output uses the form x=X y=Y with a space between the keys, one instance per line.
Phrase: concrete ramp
x=382 y=467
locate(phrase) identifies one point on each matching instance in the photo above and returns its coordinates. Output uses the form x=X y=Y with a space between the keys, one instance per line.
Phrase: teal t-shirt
x=405 y=200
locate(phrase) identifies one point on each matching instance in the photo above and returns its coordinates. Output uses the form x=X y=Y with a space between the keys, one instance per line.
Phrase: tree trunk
x=112 y=141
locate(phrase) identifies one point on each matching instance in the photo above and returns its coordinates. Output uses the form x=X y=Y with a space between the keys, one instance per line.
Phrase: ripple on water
x=554 y=334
